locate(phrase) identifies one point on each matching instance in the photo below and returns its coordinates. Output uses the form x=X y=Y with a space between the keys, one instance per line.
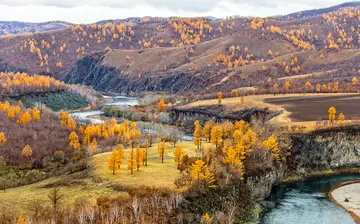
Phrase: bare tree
x=55 y=197
x=175 y=135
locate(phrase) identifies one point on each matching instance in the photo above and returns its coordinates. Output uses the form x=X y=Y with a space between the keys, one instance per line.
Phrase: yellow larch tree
x=161 y=150
x=200 y=171
x=323 y=88
x=24 y=118
x=354 y=81
x=27 y=153
x=139 y=157
x=178 y=154
x=219 y=97
x=197 y=134
x=272 y=145
x=216 y=135
x=242 y=99
x=36 y=114
x=74 y=141
x=2 y=137
x=116 y=158
x=93 y=146
x=71 y=124
x=332 y=114
x=248 y=140
x=341 y=118
x=161 y=106
x=206 y=131
x=131 y=163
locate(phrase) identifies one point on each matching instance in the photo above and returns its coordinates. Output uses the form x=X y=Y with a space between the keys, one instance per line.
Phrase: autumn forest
x=182 y=120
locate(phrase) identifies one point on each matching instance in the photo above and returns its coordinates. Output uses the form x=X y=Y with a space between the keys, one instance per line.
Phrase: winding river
x=112 y=101
x=307 y=202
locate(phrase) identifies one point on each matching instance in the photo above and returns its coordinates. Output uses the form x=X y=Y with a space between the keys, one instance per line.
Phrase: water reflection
x=307 y=202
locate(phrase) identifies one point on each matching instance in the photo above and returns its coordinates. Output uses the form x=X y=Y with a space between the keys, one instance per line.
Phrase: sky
x=90 y=11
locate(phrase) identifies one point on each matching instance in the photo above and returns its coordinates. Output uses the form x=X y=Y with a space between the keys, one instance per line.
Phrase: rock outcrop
x=318 y=150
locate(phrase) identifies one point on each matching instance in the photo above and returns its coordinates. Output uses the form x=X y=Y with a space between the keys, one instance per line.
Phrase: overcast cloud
x=88 y=11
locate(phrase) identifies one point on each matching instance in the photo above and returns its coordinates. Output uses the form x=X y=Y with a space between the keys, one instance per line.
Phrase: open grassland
x=156 y=174
x=20 y=198
x=296 y=109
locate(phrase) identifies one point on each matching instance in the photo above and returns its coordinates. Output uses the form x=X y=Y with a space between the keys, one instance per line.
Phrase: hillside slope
x=192 y=55
x=15 y=27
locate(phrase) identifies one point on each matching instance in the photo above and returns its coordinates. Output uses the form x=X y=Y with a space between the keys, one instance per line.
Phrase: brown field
x=296 y=109
x=314 y=107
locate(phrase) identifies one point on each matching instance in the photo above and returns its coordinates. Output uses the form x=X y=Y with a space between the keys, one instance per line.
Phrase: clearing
x=101 y=182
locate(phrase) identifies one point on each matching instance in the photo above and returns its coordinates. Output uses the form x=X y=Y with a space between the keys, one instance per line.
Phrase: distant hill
x=195 y=55
x=14 y=27
x=318 y=12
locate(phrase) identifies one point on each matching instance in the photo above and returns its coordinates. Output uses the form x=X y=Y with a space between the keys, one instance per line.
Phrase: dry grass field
x=156 y=174
x=20 y=198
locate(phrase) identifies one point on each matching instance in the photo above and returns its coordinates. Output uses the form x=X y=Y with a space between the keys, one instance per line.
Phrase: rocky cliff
x=319 y=150
x=185 y=116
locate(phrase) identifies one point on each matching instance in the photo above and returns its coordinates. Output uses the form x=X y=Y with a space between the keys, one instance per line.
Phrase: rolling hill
x=194 y=55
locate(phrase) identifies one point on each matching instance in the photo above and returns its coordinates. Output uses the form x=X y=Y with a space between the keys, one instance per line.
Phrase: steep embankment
x=315 y=151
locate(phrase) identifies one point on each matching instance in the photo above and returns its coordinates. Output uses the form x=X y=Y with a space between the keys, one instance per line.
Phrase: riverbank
x=347 y=196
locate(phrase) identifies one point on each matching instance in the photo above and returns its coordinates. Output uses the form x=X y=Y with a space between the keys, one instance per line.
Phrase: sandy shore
x=347 y=196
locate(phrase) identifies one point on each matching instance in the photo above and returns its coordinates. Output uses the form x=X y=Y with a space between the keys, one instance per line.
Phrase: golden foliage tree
x=206 y=131
x=242 y=99
x=74 y=141
x=71 y=124
x=161 y=150
x=161 y=106
x=178 y=154
x=116 y=158
x=2 y=137
x=354 y=81
x=216 y=135
x=36 y=114
x=93 y=145
x=200 y=171
x=27 y=153
x=219 y=97
x=272 y=145
x=139 y=157
x=24 y=118
x=341 y=118
x=332 y=114
x=197 y=134
x=131 y=163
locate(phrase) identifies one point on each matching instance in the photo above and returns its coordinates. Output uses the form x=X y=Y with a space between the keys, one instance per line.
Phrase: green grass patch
x=55 y=100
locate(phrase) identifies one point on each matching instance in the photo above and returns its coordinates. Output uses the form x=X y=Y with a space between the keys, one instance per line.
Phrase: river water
x=113 y=101
x=307 y=202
